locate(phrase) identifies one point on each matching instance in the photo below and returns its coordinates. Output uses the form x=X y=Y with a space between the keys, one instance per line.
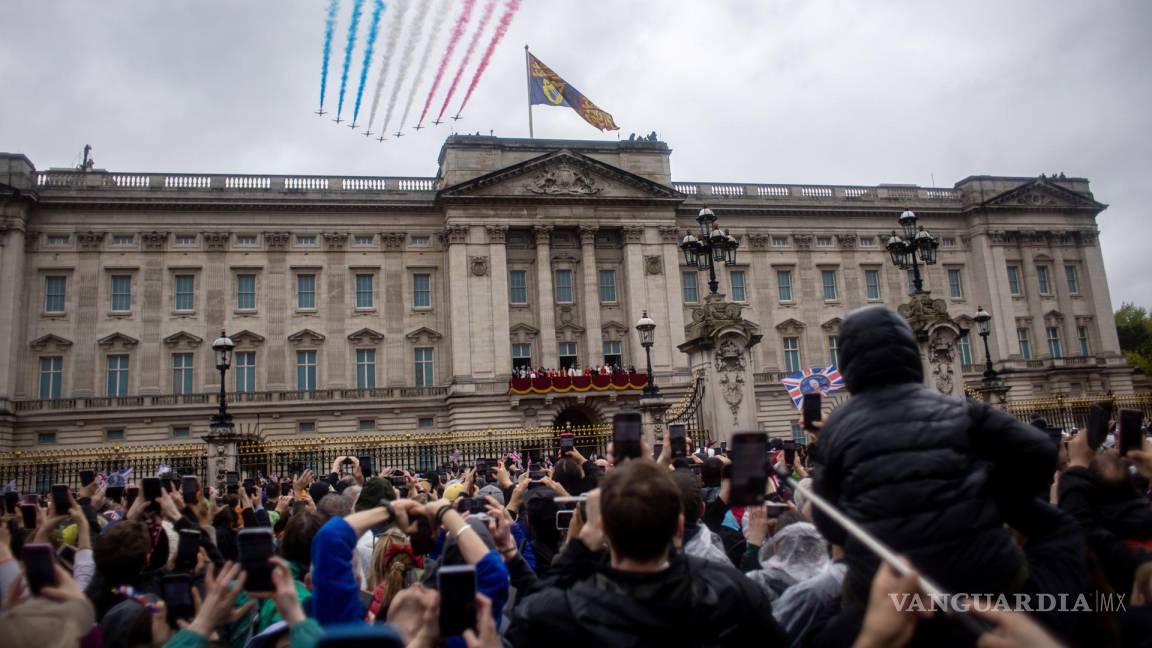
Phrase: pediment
x=366 y=335
x=790 y=325
x=117 y=339
x=306 y=336
x=1041 y=193
x=569 y=327
x=247 y=338
x=831 y=325
x=424 y=333
x=183 y=338
x=562 y=174
x=50 y=343
x=524 y=328
x=1053 y=315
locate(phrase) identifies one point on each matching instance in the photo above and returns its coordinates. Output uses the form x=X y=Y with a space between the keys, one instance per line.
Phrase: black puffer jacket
x=932 y=476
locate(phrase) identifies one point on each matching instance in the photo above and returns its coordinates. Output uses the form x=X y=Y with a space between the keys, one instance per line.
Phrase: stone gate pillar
x=718 y=342
x=936 y=334
x=223 y=446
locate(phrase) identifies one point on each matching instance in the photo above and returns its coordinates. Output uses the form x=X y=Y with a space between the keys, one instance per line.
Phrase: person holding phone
x=932 y=476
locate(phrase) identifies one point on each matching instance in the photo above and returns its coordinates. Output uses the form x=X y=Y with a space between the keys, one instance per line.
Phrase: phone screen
x=789 y=453
x=457 y=586
x=130 y=494
x=679 y=438
x=11 y=501
x=177 y=590
x=366 y=468
x=1130 y=437
x=255 y=548
x=28 y=512
x=187 y=549
x=232 y=478
x=115 y=493
x=67 y=554
x=61 y=502
x=567 y=442
x=188 y=486
x=87 y=477
x=39 y=567
x=811 y=409
x=423 y=540
x=626 y=433
x=564 y=519
x=749 y=468
x=1098 y=415
x=151 y=488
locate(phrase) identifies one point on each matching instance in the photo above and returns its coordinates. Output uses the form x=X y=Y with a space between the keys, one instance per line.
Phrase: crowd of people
x=571 y=371
x=571 y=550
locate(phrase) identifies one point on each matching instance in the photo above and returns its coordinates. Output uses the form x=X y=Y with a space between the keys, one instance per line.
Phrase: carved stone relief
x=217 y=240
x=497 y=234
x=454 y=234
x=731 y=366
x=276 y=240
x=941 y=356
x=633 y=234
x=335 y=240
x=563 y=179
x=478 y=265
x=154 y=240
x=653 y=265
x=90 y=240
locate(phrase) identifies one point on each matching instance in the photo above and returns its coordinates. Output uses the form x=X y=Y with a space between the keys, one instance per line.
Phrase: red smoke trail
x=457 y=33
x=489 y=9
x=510 y=8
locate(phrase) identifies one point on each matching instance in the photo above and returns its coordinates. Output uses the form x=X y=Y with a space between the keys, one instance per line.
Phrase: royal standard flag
x=547 y=88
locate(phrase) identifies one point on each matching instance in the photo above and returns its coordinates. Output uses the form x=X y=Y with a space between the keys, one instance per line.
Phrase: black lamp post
x=983 y=321
x=915 y=247
x=713 y=246
x=223 y=346
x=646 y=327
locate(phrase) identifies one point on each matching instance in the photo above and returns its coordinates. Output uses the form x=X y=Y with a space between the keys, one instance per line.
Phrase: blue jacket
x=335 y=593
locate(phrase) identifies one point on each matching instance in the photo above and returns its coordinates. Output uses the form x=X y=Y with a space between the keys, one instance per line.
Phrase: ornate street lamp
x=983 y=321
x=713 y=246
x=223 y=346
x=915 y=247
x=646 y=327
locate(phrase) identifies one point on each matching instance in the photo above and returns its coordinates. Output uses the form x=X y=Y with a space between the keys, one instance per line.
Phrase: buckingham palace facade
x=391 y=305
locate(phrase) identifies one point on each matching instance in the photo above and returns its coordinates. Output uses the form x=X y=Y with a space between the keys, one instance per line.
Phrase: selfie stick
x=930 y=588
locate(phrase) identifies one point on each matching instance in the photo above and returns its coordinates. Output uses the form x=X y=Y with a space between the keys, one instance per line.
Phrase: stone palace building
x=388 y=305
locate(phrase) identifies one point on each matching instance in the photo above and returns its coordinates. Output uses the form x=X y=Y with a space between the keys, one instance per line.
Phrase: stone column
x=456 y=237
x=593 y=335
x=549 y=353
x=637 y=284
x=392 y=309
x=501 y=341
x=90 y=278
x=337 y=351
x=152 y=313
x=719 y=341
x=936 y=334
x=223 y=450
x=13 y=310
x=1097 y=284
x=272 y=296
x=673 y=297
x=652 y=410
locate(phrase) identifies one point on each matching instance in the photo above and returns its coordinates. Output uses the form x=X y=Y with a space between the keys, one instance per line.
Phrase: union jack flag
x=822 y=380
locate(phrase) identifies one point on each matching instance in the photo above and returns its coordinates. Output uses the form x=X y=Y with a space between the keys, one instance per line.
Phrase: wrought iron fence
x=1072 y=413
x=36 y=472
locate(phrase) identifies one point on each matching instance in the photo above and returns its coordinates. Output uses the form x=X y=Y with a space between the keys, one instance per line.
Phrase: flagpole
x=528 y=69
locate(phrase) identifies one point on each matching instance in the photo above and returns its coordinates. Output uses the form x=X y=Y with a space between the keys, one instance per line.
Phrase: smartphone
x=811 y=410
x=657 y=450
x=473 y=505
x=423 y=540
x=1098 y=416
x=115 y=493
x=177 y=592
x=28 y=512
x=457 y=586
x=187 y=550
x=249 y=484
x=11 y=501
x=346 y=467
x=318 y=490
x=39 y=567
x=626 y=434
x=87 y=477
x=564 y=519
x=678 y=435
x=537 y=475
x=567 y=443
x=723 y=447
x=286 y=489
x=130 y=494
x=789 y=453
x=774 y=509
x=749 y=468
x=1130 y=437
x=299 y=506
x=232 y=478
x=61 y=501
x=67 y=555
x=366 y=467
x=151 y=488
x=255 y=547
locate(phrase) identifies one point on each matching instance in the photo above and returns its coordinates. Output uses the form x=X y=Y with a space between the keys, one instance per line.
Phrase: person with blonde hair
x=394 y=566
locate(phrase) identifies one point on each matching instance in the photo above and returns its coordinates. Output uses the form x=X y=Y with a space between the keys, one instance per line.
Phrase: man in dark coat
x=933 y=476
x=648 y=593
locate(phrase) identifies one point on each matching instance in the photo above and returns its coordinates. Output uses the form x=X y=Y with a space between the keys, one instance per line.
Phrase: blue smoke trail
x=373 y=28
x=329 y=27
x=356 y=7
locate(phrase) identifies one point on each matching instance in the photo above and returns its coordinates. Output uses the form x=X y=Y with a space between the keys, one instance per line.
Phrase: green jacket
x=305 y=634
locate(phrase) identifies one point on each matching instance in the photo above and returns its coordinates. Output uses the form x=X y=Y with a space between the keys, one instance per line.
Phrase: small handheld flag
x=814 y=380
x=547 y=88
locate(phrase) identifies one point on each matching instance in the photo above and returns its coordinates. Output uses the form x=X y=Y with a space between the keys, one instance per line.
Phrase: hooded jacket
x=933 y=476
x=694 y=602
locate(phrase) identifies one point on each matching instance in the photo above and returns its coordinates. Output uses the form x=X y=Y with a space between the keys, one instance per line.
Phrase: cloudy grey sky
x=806 y=91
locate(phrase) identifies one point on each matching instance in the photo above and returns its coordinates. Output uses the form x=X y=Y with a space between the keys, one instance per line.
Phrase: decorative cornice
x=56 y=342
x=366 y=335
x=588 y=234
x=846 y=241
x=182 y=338
x=154 y=240
x=802 y=241
x=90 y=241
x=277 y=241
x=425 y=333
x=335 y=240
x=247 y=338
x=759 y=241
x=831 y=325
x=120 y=339
x=669 y=234
x=543 y=234
x=633 y=234
x=497 y=234
x=791 y=325
x=306 y=336
x=392 y=240
x=217 y=241
x=456 y=234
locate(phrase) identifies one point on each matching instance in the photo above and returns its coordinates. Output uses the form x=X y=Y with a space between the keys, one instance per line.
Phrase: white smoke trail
x=399 y=8
x=415 y=33
x=438 y=19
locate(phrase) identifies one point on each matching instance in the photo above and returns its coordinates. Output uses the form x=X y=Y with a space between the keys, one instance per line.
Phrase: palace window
x=365 y=368
x=246 y=292
x=121 y=293
x=567 y=354
x=117 y=379
x=563 y=285
x=779 y=241
x=823 y=241
x=306 y=239
x=246 y=240
x=58 y=240
x=690 y=286
x=54 y=287
x=612 y=355
x=834 y=350
x=792 y=354
x=607 y=286
x=51 y=376
x=1014 y=281
x=185 y=292
x=867 y=241
x=518 y=287
x=1085 y=344
x=1055 y=348
x=964 y=344
x=521 y=355
x=419 y=241
x=306 y=370
x=182 y=373
x=245 y=362
x=185 y=240
x=181 y=432
x=948 y=242
x=872 y=284
x=422 y=290
x=425 y=372
x=365 y=291
x=366 y=425
x=784 y=285
x=736 y=279
x=955 y=284
x=306 y=427
x=1025 y=340
x=123 y=239
x=363 y=240
x=1072 y=275
x=306 y=291
x=1042 y=282
x=828 y=283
